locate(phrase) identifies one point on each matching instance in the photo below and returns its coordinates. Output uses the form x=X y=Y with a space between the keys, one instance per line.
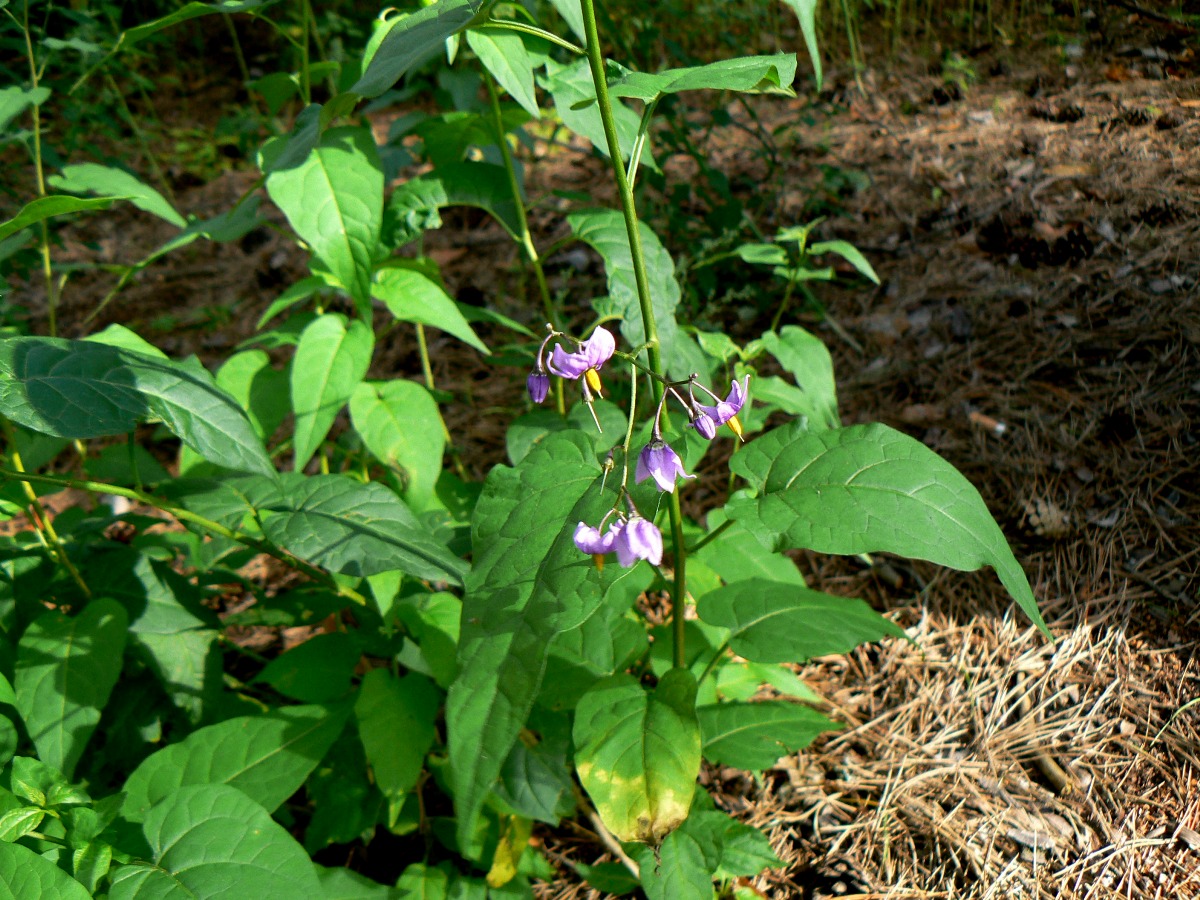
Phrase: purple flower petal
x=590 y=540
x=538 y=385
x=658 y=461
x=592 y=354
x=639 y=539
x=729 y=407
x=704 y=424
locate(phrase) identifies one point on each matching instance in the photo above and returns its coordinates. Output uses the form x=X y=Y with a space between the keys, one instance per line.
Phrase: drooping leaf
x=66 y=668
x=849 y=253
x=84 y=178
x=528 y=583
x=191 y=11
x=411 y=40
x=334 y=201
x=15 y=100
x=25 y=874
x=400 y=424
x=748 y=74
x=48 y=207
x=84 y=389
x=331 y=359
x=604 y=231
x=806 y=12
x=211 y=840
x=266 y=757
x=754 y=735
x=345 y=526
x=638 y=753
x=411 y=296
x=412 y=207
x=868 y=489
x=396 y=723
x=503 y=54
x=808 y=359
x=770 y=621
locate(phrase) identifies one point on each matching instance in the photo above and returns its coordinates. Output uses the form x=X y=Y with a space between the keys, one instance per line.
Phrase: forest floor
x=1038 y=239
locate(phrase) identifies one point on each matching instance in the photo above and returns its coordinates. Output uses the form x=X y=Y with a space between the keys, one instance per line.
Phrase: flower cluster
x=630 y=536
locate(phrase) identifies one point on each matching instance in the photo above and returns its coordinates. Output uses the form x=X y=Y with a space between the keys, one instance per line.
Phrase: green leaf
x=582 y=656
x=770 y=621
x=413 y=39
x=330 y=362
x=604 y=231
x=47 y=207
x=15 y=100
x=83 y=389
x=317 y=671
x=536 y=780
x=754 y=735
x=849 y=253
x=806 y=12
x=762 y=254
x=396 y=723
x=574 y=95
x=503 y=54
x=638 y=753
x=529 y=582
x=334 y=201
x=740 y=850
x=400 y=424
x=6 y=692
x=808 y=359
x=682 y=867
x=266 y=757
x=412 y=207
x=609 y=878
x=66 y=668
x=260 y=389
x=870 y=489
x=211 y=840
x=91 y=178
x=351 y=528
x=191 y=11
x=572 y=14
x=412 y=296
x=748 y=74
x=736 y=555
x=25 y=874
x=346 y=884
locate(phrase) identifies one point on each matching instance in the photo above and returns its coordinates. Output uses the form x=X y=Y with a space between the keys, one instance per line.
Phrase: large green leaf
x=266 y=757
x=682 y=867
x=504 y=55
x=412 y=296
x=752 y=74
x=66 y=668
x=320 y=670
x=412 y=39
x=396 y=723
x=770 y=621
x=412 y=207
x=574 y=95
x=400 y=424
x=331 y=359
x=868 y=489
x=529 y=582
x=93 y=178
x=25 y=875
x=334 y=201
x=806 y=12
x=754 y=735
x=84 y=389
x=352 y=528
x=736 y=555
x=191 y=11
x=55 y=205
x=604 y=230
x=638 y=753
x=210 y=841
x=260 y=389
x=808 y=359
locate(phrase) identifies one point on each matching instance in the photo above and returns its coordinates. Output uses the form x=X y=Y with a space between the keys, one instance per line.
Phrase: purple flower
x=658 y=461
x=538 y=384
x=587 y=360
x=704 y=424
x=639 y=539
x=590 y=540
x=726 y=410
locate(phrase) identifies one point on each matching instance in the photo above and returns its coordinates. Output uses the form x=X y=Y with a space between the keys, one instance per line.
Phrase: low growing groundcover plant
x=489 y=669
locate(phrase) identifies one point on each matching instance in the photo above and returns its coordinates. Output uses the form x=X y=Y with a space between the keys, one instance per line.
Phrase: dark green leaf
x=331 y=360
x=868 y=489
x=638 y=753
x=396 y=723
x=752 y=74
x=412 y=207
x=66 y=669
x=191 y=11
x=317 y=671
x=346 y=884
x=754 y=735
x=682 y=867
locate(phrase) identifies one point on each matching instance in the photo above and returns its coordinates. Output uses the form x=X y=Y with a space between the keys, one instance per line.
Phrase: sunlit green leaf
x=754 y=735
x=503 y=54
x=55 y=205
x=411 y=296
x=808 y=359
x=108 y=181
x=753 y=74
x=15 y=100
x=806 y=12
x=400 y=424
x=412 y=207
x=25 y=874
x=848 y=252
x=574 y=96
x=191 y=11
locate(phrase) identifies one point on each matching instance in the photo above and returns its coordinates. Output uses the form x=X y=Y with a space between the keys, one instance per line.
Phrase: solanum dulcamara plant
x=479 y=667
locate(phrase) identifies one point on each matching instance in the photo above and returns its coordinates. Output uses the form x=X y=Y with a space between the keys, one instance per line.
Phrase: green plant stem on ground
x=186 y=515
x=653 y=349
x=531 y=253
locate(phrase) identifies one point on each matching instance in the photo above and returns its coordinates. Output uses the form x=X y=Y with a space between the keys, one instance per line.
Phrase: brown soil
x=1038 y=325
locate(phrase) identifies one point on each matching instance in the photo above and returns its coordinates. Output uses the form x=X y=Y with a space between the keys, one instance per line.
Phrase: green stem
x=423 y=349
x=712 y=663
x=140 y=137
x=712 y=535
x=638 y=259
x=535 y=31
x=40 y=173
x=186 y=515
x=305 y=80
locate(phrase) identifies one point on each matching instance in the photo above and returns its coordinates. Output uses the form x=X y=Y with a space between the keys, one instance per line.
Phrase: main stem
x=653 y=350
